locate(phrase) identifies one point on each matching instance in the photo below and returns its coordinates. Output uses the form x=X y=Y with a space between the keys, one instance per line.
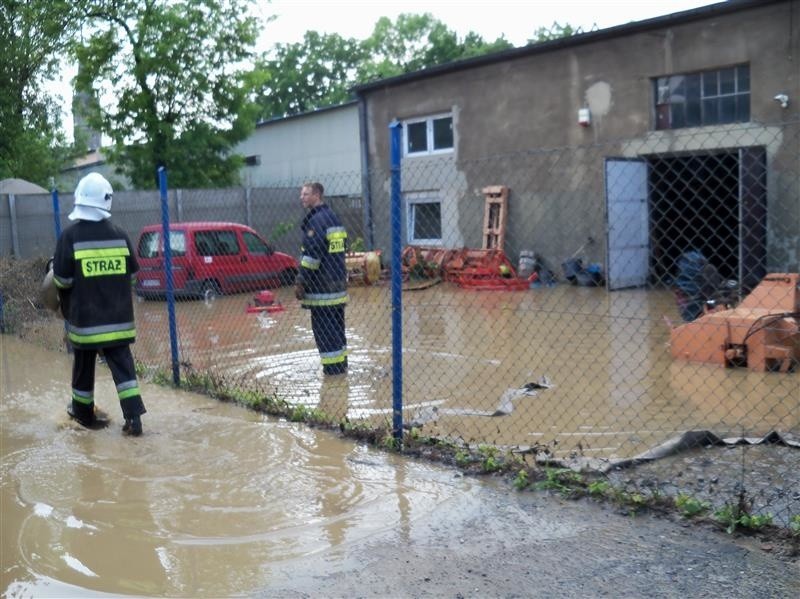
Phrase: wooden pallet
x=494 y=216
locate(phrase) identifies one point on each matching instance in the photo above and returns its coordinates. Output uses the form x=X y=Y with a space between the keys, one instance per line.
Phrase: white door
x=628 y=233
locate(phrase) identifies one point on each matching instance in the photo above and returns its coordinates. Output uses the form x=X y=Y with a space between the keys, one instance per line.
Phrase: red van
x=210 y=258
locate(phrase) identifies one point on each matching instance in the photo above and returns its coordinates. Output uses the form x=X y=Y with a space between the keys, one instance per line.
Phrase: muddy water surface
x=612 y=388
x=213 y=500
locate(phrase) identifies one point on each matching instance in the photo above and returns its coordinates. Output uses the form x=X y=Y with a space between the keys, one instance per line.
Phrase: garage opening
x=662 y=206
x=694 y=205
x=714 y=203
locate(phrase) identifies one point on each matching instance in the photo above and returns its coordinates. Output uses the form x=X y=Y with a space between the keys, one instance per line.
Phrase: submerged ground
x=215 y=500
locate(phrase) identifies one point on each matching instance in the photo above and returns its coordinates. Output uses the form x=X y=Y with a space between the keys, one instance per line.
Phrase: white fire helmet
x=92 y=198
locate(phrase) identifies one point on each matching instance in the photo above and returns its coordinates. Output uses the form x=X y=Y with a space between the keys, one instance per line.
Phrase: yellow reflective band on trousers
x=336 y=357
x=325 y=299
x=132 y=392
x=83 y=397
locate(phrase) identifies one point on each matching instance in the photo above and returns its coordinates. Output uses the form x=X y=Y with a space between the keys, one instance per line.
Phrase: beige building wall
x=515 y=118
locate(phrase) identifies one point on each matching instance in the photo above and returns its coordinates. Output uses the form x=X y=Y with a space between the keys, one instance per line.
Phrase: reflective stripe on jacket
x=93 y=267
x=323 y=273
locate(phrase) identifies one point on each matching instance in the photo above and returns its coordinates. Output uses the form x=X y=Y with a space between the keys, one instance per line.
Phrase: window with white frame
x=424 y=219
x=429 y=135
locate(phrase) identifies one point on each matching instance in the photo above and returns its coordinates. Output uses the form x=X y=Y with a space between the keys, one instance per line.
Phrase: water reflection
x=334 y=396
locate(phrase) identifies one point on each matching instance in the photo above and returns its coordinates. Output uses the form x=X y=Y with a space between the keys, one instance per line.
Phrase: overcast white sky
x=515 y=19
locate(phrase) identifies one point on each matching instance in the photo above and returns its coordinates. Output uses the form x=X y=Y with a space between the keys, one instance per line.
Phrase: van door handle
x=243 y=259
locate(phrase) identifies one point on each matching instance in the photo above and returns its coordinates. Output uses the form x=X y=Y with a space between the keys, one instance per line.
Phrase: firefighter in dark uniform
x=93 y=268
x=321 y=285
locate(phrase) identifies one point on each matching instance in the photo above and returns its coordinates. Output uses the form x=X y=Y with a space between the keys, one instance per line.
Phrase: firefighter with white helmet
x=92 y=198
x=93 y=266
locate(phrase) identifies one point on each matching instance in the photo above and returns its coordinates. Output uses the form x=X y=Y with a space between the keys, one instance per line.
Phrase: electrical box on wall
x=584 y=117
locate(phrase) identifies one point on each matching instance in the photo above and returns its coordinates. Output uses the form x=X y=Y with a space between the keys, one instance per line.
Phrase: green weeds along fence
x=557 y=302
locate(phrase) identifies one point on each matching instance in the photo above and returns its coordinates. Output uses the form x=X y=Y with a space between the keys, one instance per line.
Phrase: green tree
x=170 y=87
x=33 y=35
x=555 y=31
x=321 y=69
x=310 y=74
x=413 y=42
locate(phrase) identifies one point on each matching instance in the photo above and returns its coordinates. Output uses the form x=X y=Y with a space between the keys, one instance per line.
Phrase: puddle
x=213 y=500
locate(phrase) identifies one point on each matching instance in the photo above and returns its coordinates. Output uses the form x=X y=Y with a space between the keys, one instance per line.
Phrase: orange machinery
x=471 y=268
x=761 y=333
x=483 y=269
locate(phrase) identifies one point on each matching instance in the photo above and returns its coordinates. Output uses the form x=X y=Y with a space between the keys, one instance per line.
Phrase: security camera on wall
x=783 y=99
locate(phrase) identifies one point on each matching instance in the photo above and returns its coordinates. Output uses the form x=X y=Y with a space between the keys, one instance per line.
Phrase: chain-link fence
x=594 y=301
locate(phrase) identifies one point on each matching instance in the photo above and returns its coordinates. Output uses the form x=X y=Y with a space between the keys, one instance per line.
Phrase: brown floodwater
x=212 y=501
x=215 y=500
x=611 y=386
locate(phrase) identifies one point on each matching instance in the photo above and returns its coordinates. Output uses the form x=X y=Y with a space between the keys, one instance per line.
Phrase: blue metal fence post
x=396 y=130
x=57 y=228
x=173 y=329
x=56 y=212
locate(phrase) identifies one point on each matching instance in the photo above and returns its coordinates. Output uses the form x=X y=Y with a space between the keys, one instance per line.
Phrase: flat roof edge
x=687 y=16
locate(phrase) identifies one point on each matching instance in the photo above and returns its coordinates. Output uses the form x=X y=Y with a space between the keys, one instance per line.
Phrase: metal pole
x=57 y=226
x=173 y=329
x=56 y=213
x=396 y=130
x=366 y=191
x=12 y=211
x=248 y=207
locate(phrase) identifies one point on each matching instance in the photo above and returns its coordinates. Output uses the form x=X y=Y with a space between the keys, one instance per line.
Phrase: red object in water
x=469 y=268
x=264 y=298
x=264 y=301
x=269 y=309
x=483 y=269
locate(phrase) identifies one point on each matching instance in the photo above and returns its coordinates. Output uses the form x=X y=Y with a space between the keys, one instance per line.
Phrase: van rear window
x=148 y=245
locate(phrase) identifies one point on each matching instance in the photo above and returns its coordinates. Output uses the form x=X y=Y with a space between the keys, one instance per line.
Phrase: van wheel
x=287 y=277
x=211 y=291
